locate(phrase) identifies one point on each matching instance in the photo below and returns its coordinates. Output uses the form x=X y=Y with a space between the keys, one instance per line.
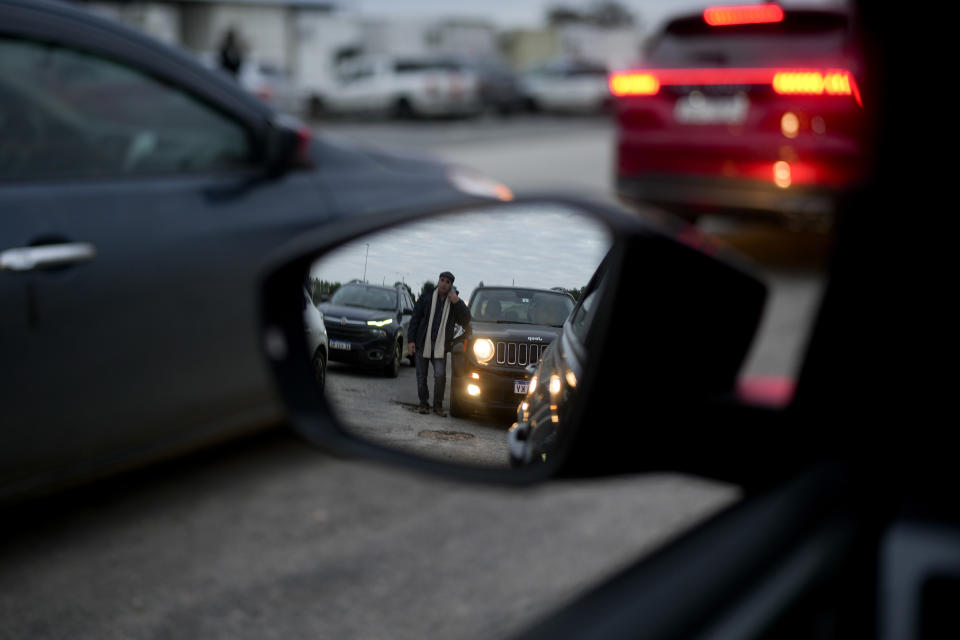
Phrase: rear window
x=802 y=35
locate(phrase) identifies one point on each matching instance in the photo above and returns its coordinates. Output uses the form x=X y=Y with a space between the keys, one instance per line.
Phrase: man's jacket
x=417 y=332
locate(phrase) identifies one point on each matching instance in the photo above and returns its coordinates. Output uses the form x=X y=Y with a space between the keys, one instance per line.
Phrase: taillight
x=833 y=82
x=725 y=16
x=634 y=84
x=647 y=82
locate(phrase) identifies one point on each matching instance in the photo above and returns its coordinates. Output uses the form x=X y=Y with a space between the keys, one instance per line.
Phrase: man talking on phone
x=432 y=330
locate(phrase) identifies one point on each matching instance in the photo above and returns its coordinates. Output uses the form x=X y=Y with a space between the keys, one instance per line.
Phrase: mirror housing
x=673 y=328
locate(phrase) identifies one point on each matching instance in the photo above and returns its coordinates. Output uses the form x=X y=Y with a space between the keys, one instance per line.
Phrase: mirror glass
x=441 y=337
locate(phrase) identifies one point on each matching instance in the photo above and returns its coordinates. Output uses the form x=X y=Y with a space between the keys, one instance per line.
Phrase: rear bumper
x=746 y=198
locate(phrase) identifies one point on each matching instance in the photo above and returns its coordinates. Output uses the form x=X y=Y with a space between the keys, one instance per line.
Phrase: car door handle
x=47 y=256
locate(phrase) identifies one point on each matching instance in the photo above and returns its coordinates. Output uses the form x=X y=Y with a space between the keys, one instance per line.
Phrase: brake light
x=833 y=82
x=725 y=16
x=647 y=82
x=634 y=84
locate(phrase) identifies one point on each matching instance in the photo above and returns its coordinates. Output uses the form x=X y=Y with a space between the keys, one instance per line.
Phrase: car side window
x=68 y=114
x=585 y=313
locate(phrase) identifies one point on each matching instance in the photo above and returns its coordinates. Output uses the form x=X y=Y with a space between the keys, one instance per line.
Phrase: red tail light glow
x=725 y=16
x=833 y=82
x=810 y=82
x=634 y=84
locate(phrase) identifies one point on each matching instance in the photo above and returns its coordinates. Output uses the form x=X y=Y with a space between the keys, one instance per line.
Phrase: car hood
x=333 y=313
x=515 y=332
x=359 y=179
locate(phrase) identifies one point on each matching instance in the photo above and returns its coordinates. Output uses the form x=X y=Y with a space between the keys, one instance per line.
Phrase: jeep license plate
x=337 y=344
x=521 y=386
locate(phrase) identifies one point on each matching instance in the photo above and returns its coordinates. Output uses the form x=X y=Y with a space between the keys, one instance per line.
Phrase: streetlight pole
x=365 y=262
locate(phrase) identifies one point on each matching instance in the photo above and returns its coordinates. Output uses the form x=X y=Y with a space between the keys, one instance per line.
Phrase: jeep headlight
x=483 y=349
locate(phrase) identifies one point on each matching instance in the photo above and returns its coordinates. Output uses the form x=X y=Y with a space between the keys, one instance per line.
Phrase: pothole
x=446 y=435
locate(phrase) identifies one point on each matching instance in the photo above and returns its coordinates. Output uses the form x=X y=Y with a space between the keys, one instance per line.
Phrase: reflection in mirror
x=441 y=337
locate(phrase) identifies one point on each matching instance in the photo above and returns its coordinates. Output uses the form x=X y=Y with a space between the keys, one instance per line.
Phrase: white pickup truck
x=404 y=88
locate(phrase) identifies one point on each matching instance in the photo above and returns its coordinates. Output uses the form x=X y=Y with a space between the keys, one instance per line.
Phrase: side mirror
x=407 y=311
x=662 y=326
x=287 y=146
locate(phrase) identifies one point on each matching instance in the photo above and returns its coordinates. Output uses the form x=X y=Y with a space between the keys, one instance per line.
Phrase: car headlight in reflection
x=554 y=384
x=533 y=385
x=483 y=349
x=380 y=323
x=473 y=390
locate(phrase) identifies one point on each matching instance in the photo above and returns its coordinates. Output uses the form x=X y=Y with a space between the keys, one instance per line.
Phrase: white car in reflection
x=316 y=338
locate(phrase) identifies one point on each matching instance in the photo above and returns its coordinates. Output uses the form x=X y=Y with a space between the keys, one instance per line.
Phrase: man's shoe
x=440 y=412
x=424 y=409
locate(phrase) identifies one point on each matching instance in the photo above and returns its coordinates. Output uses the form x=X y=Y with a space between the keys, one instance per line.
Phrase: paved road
x=384 y=411
x=266 y=538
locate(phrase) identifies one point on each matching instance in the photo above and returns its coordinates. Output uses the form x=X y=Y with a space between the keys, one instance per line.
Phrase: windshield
x=365 y=298
x=521 y=306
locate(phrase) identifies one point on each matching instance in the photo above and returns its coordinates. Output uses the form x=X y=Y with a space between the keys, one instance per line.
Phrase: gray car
x=141 y=194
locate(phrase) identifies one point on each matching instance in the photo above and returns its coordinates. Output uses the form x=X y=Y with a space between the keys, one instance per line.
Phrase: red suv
x=743 y=110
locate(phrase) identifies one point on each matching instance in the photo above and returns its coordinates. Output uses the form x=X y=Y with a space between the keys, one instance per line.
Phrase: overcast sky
x=539 y=247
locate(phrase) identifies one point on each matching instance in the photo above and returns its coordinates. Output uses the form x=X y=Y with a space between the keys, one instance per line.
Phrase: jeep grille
x=519 y=354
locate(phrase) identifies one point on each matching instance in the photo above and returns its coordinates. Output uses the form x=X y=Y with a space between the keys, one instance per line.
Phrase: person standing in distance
x=431 y=329
x=231 y=53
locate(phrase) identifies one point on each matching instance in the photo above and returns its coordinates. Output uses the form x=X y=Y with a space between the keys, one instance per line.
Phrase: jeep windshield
x=521 y=306
x=365 y=298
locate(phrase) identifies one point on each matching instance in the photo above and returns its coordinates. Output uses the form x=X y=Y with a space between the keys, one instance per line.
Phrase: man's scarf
x=436 y=350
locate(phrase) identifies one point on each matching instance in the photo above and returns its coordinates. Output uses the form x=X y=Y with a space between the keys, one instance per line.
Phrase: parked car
x=271 y=84
x=140 y=194
x=511 y=327
x=403 y=88
x=499 y=88
x=570 y=86
x=758 y=119
x=552 y=391
x=317 y=340
x=367 y=325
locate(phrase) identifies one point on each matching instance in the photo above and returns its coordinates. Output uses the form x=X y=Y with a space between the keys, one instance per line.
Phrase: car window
x=365 y=298
x=415 y=66
x=522 y=306
x=68 y=114
x=802 y=34
x=585 y=313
